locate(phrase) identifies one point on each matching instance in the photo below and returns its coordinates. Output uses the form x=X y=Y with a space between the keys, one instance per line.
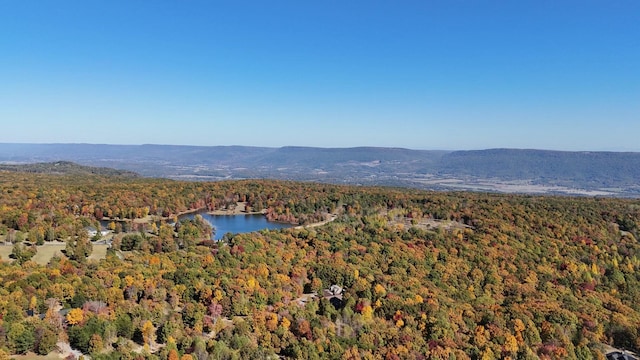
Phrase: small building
x=91 y=231
x=333 y=291
x=618 y=355
x=334 y=295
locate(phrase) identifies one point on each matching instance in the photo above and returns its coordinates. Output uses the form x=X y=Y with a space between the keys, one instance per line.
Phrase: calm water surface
x=237 y=223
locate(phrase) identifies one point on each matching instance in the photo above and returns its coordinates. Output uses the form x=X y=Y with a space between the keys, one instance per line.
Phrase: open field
x=5 y=251
x=54 y=355
x=99 y=252
x=49 y=250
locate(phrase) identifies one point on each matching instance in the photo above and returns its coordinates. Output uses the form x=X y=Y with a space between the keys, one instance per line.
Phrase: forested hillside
x=424 y=275
x=498 y=170
x=65 y=168
x=591 y=169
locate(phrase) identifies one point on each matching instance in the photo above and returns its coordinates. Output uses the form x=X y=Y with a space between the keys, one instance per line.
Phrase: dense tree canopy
x=425 y=275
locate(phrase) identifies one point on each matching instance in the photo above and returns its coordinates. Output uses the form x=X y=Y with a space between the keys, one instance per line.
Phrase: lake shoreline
x=239 y=209
x=237 y=220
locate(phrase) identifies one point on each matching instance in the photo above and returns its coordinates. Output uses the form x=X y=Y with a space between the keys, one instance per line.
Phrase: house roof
x=617 y=355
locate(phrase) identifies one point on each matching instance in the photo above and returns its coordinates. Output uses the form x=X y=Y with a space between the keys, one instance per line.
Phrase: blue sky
x=417 y=74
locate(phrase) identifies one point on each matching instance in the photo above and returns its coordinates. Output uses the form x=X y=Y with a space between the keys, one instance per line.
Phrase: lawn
x=5 y=251
x=54 y=355
x=99 y=252
x=49 y=250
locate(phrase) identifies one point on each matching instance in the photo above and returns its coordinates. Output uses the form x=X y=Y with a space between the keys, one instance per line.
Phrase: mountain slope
x=502 y=170
x=66 y=168
x=596 y=168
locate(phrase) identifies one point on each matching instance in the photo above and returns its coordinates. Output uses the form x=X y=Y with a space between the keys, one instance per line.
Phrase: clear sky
x=422 y=74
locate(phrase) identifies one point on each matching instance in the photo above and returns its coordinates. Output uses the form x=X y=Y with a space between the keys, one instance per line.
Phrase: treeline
x=42 y=208
x=66 y=168
x=476 y=276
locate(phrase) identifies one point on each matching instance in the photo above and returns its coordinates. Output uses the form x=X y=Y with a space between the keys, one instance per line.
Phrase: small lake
x=237 y=223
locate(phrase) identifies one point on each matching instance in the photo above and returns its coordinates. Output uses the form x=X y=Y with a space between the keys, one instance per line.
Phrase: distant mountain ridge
x=503 y=170
x=65 y=168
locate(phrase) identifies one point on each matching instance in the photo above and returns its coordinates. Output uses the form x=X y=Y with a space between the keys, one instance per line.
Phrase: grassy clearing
x=99 y=252
x=5 y=251
x=54 y=355
x=47 y=251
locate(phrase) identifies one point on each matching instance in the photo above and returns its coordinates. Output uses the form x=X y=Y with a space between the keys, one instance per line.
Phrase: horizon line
x=327 y=147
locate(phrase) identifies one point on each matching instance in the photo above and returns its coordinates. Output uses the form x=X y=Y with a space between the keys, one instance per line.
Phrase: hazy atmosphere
x=414 y=74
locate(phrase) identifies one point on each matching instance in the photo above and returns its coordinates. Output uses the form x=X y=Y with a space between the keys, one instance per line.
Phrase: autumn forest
x=392 y=274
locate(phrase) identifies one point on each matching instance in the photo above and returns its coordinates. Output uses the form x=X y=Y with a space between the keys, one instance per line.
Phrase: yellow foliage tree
x=285 y=323
x=481 y=336
x=148 y=332
x=75 y=316
x=488 y=354
x=217 y=295
x=252 y=284
x=33 y=304
x=518 y=327
x=271 y=321
x=263 y=271
x=352 y=353
x=207 y=260
x=367 y=312
x=379 y=290
x=378 y=304
x=4 y=355
x=510 y=344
